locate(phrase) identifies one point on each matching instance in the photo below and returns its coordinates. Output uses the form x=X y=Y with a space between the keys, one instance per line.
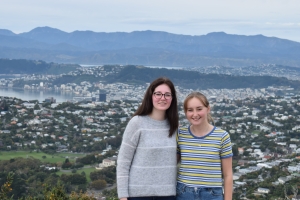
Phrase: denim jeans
x=153 y=198
x=190 y=193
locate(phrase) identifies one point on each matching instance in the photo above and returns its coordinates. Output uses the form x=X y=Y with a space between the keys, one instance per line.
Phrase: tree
x=52 y=179
x=246 y=153
x=83 y=173
x=36 y=107
x=111 y=194
x=78 y=165
x=6 y=187
x=88 y=159
x=66 y=165
x=75 y=179
x=235 y=150
x=19 y=186
x=98 y=184
x=41 y=176
x=115 y=142
x=81 y=188
x=108 y=174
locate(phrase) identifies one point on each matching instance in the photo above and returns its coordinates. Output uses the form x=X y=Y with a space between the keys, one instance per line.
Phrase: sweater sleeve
x=125 y=156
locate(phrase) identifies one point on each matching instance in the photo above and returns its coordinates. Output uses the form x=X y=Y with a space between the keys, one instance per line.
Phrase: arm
x=226 y=162
x=228 y=177
x=125 y=157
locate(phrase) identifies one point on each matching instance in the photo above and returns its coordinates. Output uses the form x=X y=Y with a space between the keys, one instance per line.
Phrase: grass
x=256 y=132
x=87 y=172
x=58 y=157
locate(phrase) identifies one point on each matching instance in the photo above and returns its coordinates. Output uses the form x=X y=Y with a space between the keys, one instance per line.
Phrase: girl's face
x=196 y=112
x=162 y=97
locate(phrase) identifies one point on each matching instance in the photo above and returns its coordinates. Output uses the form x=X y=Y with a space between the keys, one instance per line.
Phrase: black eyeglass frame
x=161 y=95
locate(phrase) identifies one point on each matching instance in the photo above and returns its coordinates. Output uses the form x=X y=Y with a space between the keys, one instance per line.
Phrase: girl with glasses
x=146 y=165
x=205 y=155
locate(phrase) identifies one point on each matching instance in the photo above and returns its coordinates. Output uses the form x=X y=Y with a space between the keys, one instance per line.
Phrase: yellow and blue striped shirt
x=201 y=157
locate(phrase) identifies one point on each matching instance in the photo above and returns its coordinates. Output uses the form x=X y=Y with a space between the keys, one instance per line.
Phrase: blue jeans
x=190 y=193
x=153 y=198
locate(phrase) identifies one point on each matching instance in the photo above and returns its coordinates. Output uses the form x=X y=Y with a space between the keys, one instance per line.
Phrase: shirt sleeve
x=226 y=148
x=125 y=156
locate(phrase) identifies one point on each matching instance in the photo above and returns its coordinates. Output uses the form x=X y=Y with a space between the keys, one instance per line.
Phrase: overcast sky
x=278 y=18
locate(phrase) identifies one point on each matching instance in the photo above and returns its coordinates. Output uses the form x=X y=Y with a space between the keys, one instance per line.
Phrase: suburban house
x=107 y=162
x=263 y=190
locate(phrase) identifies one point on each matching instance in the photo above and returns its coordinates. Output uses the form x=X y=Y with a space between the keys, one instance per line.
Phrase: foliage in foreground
x=6 y=187
x=55 y=193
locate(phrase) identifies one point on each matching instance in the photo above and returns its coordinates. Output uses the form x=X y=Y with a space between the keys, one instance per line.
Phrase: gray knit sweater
x=146 y=164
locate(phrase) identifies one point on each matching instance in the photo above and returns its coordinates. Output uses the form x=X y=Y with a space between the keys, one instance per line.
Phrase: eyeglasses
x=158 y=95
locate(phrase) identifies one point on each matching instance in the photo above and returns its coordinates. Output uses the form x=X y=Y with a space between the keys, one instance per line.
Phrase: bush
x=55 y=193
x=98 y=184
x=6 y=188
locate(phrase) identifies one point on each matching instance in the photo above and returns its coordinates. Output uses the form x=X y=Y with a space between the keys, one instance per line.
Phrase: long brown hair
x=201 y=98
x=147 y=105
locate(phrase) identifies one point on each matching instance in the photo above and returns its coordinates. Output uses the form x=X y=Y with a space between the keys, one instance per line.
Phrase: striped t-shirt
x=201 y=157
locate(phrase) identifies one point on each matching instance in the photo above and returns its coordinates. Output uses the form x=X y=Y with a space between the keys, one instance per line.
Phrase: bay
x=60 y=96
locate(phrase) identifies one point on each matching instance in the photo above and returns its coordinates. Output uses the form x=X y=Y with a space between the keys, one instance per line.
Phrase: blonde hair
x=203 y=100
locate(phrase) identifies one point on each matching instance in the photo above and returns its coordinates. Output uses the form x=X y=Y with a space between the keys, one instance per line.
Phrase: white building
x=263 y=190
x=106 y=163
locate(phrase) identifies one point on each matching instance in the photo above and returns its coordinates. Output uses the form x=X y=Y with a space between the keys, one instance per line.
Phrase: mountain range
x=149 y=48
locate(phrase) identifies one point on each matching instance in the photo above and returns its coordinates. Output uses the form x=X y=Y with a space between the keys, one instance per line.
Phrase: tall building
x=102 y=96
x=50 y=100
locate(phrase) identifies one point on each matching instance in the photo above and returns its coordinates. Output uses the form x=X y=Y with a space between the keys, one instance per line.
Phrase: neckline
x=156 y=122
x=200 y=137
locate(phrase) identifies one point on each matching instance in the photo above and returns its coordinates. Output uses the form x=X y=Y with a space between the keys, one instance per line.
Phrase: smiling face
x=161 y=104
x=196 y=112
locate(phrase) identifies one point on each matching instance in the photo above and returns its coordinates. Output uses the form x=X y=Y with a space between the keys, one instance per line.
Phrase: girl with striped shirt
x=205 y=155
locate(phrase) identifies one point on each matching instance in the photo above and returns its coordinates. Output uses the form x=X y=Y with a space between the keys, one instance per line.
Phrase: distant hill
x=187 y=79
x=133 y=74
x=196 y=80
x=22 y=66
x=6 y=32
x=148 y=48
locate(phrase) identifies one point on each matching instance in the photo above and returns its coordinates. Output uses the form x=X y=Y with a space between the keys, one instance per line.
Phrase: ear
x=208 y=109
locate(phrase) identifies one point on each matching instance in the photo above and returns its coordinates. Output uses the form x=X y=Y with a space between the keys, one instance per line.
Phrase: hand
x=124 y=198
